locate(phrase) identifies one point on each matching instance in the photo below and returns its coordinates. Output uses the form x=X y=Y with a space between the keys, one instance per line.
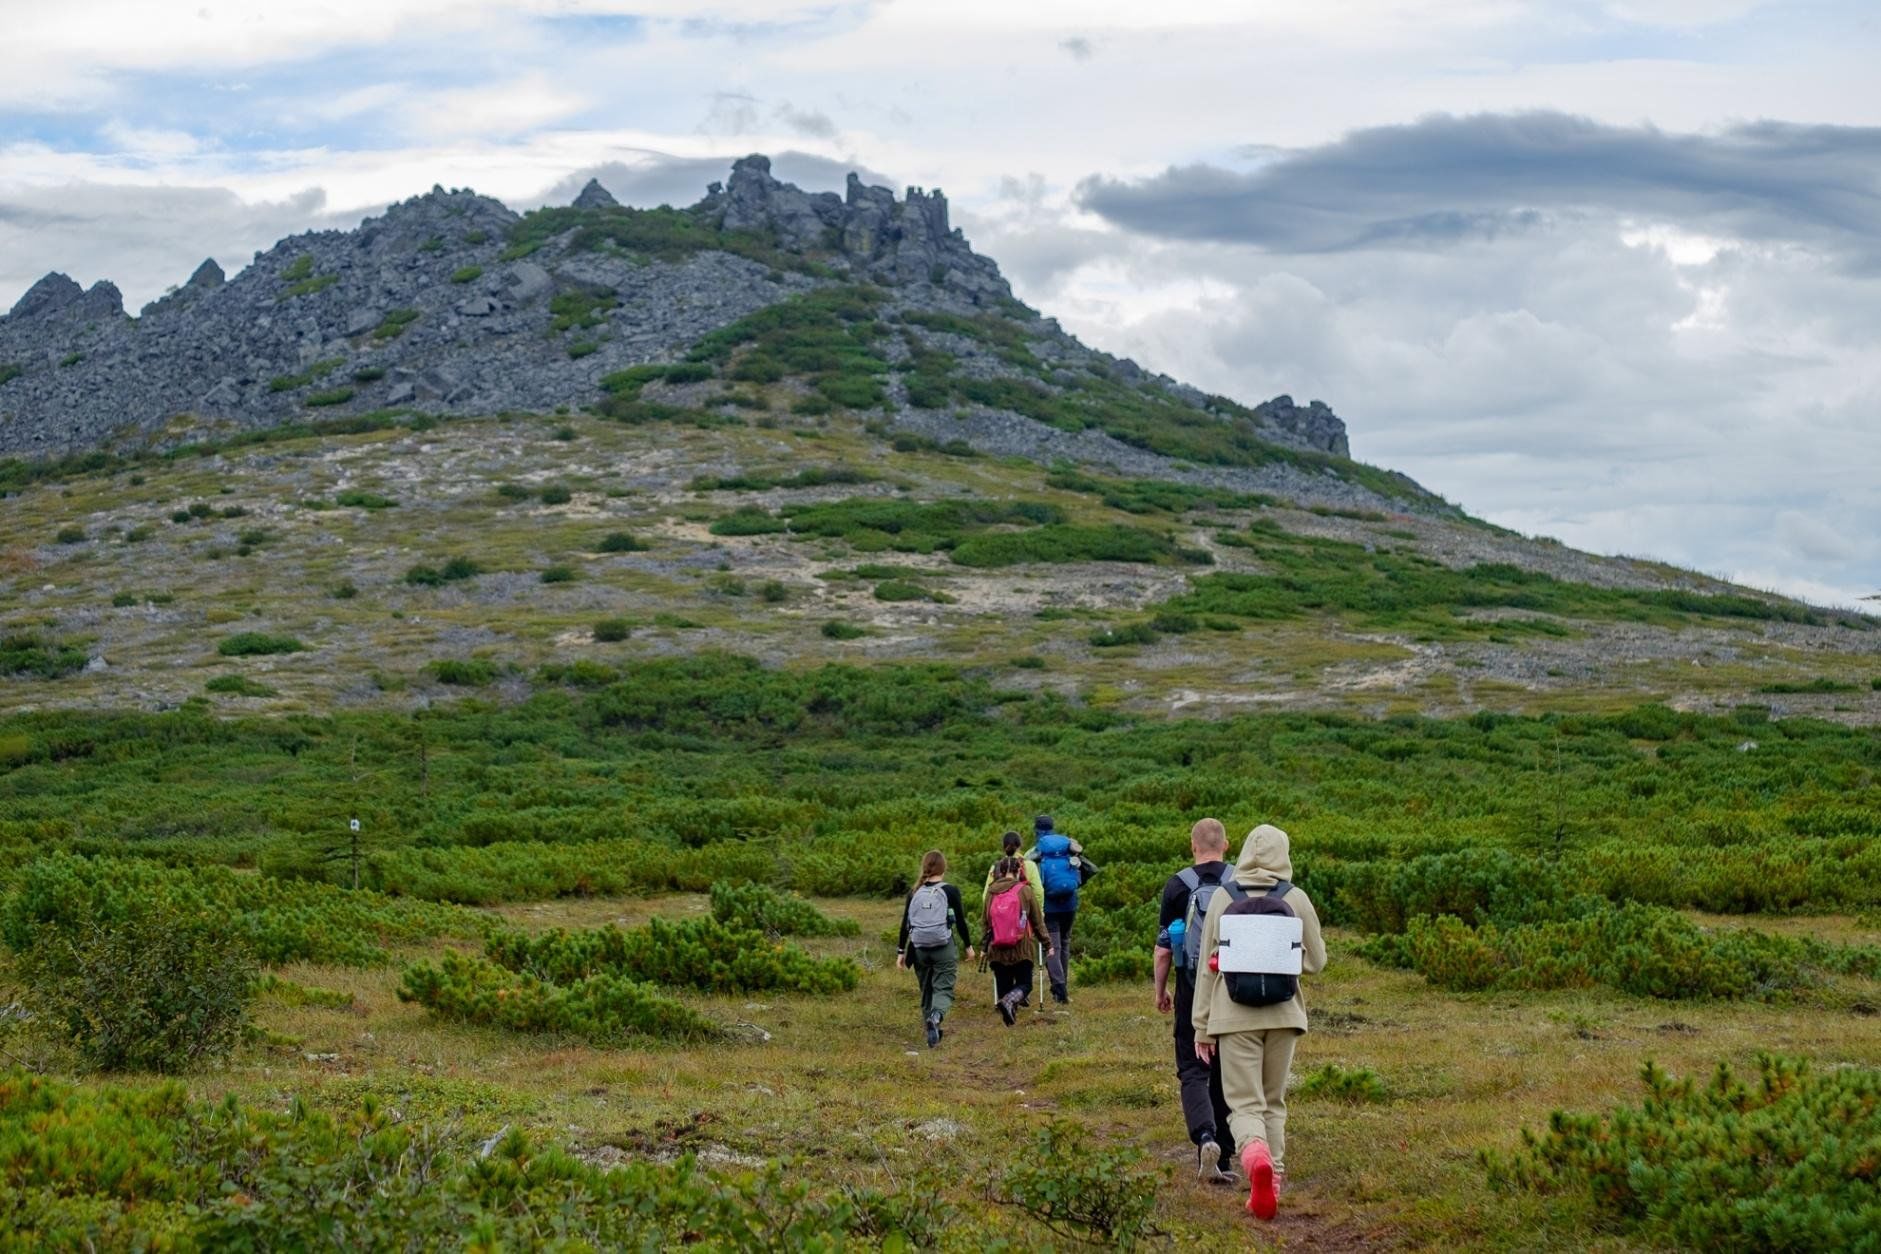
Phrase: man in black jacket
x=1203 y=1106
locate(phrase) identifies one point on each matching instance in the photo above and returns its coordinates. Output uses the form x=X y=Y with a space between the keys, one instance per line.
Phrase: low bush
x=702 y=954
x=467 y=274
x=619 y=542
x=395 y=323
x=462 y=672
x=161 y=987
x=238 y=686
x=455 y=570
x=359 y=498
x=1821 y=683
x=257 y=643
x=71 y=535
x=612 y=630
x=1330 y=1080
x=555 y=494
x=332 y=396
x=761 y=908
x=836 y=629
x=1787 y=1161
x=604 y=1008
x=1127 y=634
x=1083 y=1192
x=40 y=656
x=558 y=574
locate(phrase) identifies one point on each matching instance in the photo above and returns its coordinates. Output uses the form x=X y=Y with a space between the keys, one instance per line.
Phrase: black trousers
x=1203 y=1107
x=1010 y=975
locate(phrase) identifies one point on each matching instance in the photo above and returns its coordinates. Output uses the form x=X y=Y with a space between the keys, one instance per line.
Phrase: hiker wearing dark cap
x=1063 y=869
x=1253 y=1023
x=1178 y=949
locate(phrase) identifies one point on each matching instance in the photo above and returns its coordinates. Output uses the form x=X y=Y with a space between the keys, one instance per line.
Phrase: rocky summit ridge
x=450 y=303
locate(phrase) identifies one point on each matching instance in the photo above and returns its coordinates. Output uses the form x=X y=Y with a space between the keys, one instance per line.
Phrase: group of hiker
x=1237 y=1007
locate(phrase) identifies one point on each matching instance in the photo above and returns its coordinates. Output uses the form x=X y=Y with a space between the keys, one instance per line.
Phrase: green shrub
x=358 y=498
x=761 y=908
x=462 y=672
x=238 y=686
x=619 y=542
x=300 y=268
x=603 y=1008
x=256 y=643
x=122 y=599
x=454 y=570
x=580 y=310
x=1330 y=1080
x=513 y=492
x=582 y=348
x=162 y=988
x=558 y=574
x=612 y=630
x=836 y=629
x=900 y=590
x=1822 y=683
x=751 y=520
x=1785 y=1162
x=71 y=535
x=395 y=323
x=555 y=494
x=467 y=274
x=369 y=374
x=1083 y=1192
x=10 y=371
x=333 y=396
x=1128 y=634
x=774 y=592
x=702 y=954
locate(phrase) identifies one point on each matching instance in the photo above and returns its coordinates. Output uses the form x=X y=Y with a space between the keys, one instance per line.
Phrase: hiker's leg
x=1239 y=1057
x=946 y=969
x=1022 y=978
x=1276 y=1061
x=923 y=963
x=1057 y=967
x=1193 y=1076
x=1224 y=1132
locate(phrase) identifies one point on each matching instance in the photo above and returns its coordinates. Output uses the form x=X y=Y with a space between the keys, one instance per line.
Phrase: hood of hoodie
x=1265 y=859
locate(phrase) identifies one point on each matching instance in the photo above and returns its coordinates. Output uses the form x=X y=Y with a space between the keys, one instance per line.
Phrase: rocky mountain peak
x=51 y=293
x=595 y=196
x=207 y=275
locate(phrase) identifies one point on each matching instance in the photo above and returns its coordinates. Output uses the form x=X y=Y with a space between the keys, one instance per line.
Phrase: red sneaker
x=1262 y=1201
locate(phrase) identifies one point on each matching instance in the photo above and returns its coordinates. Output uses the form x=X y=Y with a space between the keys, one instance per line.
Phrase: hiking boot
x=1208 y=1163
x=1060 y=996
x=1258 y=1163
x=1280 y=1183
x=933 y=1031
x=1006 y=1008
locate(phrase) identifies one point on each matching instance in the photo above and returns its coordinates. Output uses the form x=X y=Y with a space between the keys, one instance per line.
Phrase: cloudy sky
x=1606 y=270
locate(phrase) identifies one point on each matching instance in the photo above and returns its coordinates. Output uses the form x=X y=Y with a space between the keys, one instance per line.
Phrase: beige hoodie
x=1264 y=862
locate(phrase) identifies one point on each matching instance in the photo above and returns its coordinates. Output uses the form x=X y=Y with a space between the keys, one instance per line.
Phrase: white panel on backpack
x=1264 y=944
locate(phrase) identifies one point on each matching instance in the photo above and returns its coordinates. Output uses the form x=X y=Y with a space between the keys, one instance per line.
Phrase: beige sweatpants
x=1254 y=1068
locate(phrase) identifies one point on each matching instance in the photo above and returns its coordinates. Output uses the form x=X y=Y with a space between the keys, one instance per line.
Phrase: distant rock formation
x=451 y=303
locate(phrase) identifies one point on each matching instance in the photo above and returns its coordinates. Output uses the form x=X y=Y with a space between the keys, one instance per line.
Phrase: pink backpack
x=1008 y=911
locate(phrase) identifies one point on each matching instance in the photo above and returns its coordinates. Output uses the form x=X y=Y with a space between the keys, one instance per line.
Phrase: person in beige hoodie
x=1255 y=1043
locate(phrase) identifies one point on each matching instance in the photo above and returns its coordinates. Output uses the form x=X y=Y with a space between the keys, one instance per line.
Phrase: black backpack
x=1254 y=988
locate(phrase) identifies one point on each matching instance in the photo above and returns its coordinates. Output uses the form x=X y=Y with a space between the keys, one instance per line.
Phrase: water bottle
x=1178 y=932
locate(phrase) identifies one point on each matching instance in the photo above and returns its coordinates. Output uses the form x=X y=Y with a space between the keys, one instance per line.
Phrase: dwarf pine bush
x=703 y=954
x=604 y=1007
x=1790 y=1160
x=761 y=908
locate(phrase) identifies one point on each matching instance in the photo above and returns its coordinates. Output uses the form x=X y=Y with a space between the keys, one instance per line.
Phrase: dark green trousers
x=936 y=968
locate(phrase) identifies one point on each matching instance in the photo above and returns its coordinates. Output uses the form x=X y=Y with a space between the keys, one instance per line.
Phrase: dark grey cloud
x=806 y=122
x=1078 y=48
x=658 y=178
x=1447 y=179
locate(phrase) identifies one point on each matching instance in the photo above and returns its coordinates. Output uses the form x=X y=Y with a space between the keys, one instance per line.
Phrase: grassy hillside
x=646 y=714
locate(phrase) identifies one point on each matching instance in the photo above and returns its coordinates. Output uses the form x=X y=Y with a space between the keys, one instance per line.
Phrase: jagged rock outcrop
x=905 y=241
x=595 y=196
x=450 y=302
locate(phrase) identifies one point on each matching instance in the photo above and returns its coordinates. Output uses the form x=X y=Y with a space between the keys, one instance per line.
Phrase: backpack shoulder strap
x=1281 y=888
x=1190 y=878
x=1234 y=890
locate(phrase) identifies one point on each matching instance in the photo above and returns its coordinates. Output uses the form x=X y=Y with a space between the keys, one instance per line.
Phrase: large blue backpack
x=1058 y=872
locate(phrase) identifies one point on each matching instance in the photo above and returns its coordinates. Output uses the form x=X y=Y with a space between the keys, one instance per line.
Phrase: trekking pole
x=1038 y=1003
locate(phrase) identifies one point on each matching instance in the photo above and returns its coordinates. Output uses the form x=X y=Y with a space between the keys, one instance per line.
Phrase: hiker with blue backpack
x=1178 y=954
x=932 y=916
x=1063 y=869
x=1014 y=926
x=1259 y=936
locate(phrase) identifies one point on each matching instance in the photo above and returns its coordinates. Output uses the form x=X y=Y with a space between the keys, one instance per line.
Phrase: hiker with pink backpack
x=1014 y=927
x=1260 y=935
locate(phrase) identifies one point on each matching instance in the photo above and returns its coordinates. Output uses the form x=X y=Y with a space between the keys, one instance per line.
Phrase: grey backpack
x=927 y=917
x=1201 y=892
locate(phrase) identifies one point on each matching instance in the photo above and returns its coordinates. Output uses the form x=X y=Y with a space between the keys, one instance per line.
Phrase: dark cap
x=1043 y=823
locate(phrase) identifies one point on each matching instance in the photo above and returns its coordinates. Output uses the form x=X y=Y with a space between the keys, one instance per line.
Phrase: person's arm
x=1174 y=904
x=960 y=917
x=901 y=946
x=1312 y=944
